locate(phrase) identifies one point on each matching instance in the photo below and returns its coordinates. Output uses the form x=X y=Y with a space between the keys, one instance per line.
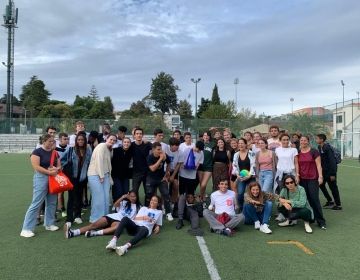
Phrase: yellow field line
x=298 y=244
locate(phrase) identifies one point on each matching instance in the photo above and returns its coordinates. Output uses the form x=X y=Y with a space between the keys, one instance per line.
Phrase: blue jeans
x=120 y=187
x=251 y=216
x=100 y=195
x=241 y=187
x=266 y=180
x=40 y=193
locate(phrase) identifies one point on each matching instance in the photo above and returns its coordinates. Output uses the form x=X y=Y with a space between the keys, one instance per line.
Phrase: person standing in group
x=99 y=176
x=274 y=141
x=295 y=141
x=158 y=178
x=159 y=137
x=205 y=169
x=93 y=139
x=75 y=162
x=79 y=127
x=255 y=146
x=243 y=160
x=105 y=132
x=187 y=145
x=226 y=138
x=41 y=163
x=234 y=149
x=141 y=150
x=121 y=172
x=222 y=164
x=187 y=174
x=248 y=136
x=311 y=177
x=120 y=136
x=177 y=134
x=329 y=169
x=265 y=162
x=172 y=152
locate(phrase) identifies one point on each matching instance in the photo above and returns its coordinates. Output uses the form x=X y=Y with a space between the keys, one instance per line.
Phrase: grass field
x=174 y=254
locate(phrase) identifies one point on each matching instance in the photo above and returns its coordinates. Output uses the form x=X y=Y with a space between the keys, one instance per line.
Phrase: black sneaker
x=226 y=232
x=336 y=207
x=328 y=204
x=90 y=233
x=323 y=227
x=179 y=224
x=68 y=231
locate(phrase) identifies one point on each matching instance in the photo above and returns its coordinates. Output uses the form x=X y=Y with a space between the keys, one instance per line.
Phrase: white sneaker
x=111 y=245
x=52 y=228
x=169 y=217
x=27 y=233
x=257 y=225
x=280 y=218
x=78 y=221
x=63 y=214
x=121 y=250
x=265 y=229
x=286 y=223
x=308 y=228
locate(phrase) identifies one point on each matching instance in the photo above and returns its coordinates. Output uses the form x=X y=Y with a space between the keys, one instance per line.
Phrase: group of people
x=249 y=174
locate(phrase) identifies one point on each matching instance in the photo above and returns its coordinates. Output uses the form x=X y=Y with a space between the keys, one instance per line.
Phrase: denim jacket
x=75 y=162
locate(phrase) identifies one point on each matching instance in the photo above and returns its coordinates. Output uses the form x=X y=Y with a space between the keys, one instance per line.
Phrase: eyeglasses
x=289 y=182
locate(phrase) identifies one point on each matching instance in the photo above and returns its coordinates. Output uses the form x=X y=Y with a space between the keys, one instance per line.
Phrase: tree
x=184 y=109
x=34 y=95
x=137 y=109
x=221 y=111
x=59 y=110
x=308 y=125
x=204 y=105
x=215 y=99
x=15 y=101
x=93 y=93
x=163 y=93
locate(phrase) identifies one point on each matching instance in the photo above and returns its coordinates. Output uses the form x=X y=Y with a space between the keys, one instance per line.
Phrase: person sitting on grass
x=190 y=209
x=293 y=204
x=223 y=219
x=127 y=206
x=257 y=208
x=148 y=220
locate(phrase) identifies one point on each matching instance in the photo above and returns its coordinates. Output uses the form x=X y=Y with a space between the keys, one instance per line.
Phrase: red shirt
x=307 y=165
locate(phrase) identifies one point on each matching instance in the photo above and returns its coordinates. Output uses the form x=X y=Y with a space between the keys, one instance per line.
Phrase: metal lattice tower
x=10 y=23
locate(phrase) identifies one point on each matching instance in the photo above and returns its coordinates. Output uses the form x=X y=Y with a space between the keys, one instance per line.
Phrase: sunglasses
x=289 y=182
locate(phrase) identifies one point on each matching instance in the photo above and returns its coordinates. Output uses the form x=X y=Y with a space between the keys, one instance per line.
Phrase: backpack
x=190 y=161
x=336 y=153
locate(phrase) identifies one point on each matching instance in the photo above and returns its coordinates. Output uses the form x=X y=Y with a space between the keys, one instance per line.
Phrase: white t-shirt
x=73 y=136
x=223 y=202
x=286 y=158
x=190 y=173
x=123 y=212
x=183 y=147
x=173 y=157
x=117 y=144
x=155 y=214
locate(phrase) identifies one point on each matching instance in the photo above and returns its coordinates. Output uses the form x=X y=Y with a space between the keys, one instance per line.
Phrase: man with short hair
x=159 y=137
x=221 y=214
x=105 y=132
x=120 y=136
x=79 y=127
x=274 y=141
x=172 y=152
x=329 y=169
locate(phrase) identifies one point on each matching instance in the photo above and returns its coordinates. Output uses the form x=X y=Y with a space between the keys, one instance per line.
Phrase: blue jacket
x=75 y=162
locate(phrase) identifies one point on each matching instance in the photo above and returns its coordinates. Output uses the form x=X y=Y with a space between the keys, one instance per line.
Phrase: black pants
x=187 y=212
x=311 y=187
x=119 y=188
x=137 y=179
x=334 y=190
x=151 y=188
x=139 y=232
x=74 y=203
x=296 y=213
x=187 y=186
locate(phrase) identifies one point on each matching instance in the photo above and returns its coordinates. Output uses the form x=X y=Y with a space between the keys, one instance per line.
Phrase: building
x=173 y=121
x=343 y=118
x=18 y=111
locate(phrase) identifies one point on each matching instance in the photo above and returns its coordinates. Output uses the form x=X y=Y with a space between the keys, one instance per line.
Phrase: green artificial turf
x=174 y=254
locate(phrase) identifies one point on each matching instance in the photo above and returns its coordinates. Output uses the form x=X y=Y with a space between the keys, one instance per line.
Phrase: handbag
x=190 y=161
x=60 y=182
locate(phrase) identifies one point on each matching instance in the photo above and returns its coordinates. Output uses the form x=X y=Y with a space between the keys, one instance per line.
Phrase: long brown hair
x=79 y=149
x=260 y=198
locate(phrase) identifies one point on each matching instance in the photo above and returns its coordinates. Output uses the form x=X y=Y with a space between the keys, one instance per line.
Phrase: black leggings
x=139 y=232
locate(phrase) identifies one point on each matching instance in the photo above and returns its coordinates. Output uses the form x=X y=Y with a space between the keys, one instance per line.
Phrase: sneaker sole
x=66 y=230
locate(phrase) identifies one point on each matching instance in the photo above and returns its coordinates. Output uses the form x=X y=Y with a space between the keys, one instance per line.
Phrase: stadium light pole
x=292 y=105
x=196 y=81
x=343 y=105
x=236 y=82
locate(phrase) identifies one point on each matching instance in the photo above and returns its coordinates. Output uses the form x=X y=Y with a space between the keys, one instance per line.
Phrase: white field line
x=214 y=274
x=349 y=166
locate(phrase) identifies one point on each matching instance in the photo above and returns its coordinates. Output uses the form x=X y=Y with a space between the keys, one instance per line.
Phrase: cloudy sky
x=278 y=49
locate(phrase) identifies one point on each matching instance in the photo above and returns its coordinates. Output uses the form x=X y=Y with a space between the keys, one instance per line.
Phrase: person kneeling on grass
x=223 y=219
x=126 y=206
x=293 y=204
x=257 y=208
x=190 y=209
x=148 y=219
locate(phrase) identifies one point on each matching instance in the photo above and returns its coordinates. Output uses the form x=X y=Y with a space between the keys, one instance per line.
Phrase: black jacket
x=328 y=162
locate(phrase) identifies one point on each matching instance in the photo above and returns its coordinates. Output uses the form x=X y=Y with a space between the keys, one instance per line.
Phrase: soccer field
x=175 y=254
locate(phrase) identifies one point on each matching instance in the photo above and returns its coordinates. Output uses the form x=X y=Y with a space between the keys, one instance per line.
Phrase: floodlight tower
x=10 y=23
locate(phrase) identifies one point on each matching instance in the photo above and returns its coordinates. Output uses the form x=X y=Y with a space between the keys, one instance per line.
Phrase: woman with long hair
x=41 y=163
x=265 y=162
x=205 y=169
x=221 y=159
x=75 y=162
x=126 y=206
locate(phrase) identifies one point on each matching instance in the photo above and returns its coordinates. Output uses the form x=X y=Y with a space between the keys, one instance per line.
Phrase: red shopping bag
x=60 y=182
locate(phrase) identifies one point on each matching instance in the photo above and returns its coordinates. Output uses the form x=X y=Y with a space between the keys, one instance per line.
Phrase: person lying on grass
x=223 y=219
x=258 y=206
x=127 y=206
x=148 y=220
